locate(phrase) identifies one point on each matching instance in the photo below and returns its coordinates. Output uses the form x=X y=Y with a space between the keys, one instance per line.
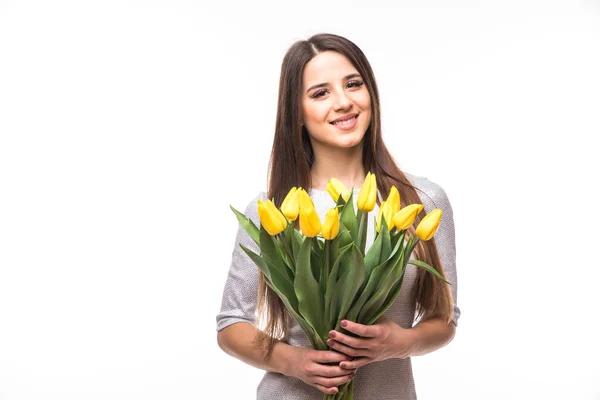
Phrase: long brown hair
x=290 y=165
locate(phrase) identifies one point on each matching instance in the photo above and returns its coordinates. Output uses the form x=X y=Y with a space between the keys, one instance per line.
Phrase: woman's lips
x=346 y=125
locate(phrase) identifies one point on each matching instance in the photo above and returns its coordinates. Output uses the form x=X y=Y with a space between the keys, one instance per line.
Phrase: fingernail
x=329 y=342
x=332 y=334
x=344 y=323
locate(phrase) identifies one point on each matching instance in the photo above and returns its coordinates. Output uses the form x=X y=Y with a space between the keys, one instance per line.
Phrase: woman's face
x=336 y=104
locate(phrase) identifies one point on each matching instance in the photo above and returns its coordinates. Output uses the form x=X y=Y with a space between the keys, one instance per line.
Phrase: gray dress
x=386 y=380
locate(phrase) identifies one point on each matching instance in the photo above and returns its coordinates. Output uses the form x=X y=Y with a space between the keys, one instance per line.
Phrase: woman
x=328 y=125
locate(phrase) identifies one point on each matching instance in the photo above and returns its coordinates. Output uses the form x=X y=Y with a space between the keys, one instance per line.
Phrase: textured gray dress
x=387 y=380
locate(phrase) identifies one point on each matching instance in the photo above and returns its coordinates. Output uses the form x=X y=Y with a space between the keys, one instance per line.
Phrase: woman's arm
x=430 y=335
x=304 y=363
x=386 y=339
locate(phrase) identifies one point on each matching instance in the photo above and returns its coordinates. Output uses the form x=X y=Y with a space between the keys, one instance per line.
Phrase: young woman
x=328 y=125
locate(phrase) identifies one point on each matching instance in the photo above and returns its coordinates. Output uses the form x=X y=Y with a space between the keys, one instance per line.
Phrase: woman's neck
x=343 y=165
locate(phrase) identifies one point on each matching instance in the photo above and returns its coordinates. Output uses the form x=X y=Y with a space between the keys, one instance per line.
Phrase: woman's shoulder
x=429 y=191
x=252 y=206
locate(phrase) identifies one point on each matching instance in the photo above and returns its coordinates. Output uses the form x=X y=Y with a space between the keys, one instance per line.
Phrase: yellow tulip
x=291 y=206
x=406 y=216
x=367 y=197
x=394 y=201
x=429 y=224
x=304 y=199
x=335 y=188
x=385 y=211
x=331 y=225
x=271 y=218
x=310 y=224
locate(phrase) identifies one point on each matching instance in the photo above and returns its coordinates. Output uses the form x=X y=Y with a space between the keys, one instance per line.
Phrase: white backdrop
x=127 y=128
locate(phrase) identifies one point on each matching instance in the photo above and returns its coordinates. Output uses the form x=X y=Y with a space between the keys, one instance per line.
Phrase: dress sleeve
x=435 y=197
x=241 y=287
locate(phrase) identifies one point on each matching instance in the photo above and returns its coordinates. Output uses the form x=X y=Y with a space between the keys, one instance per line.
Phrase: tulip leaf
x=308 y=291
x=258 y=260
x=348 y=218
x=378 y=275
x=271 y=254
x=331 y=310
x=247 y=224
x=349 y=283
x=313 y=336
x=386 y=245
x=284 y=289
x=296 y=242
x=373 y=255
x=383 y=282
x=281 y=281
x=361 y=236
x=393 y=295
x=429 y=268
x=342 y=239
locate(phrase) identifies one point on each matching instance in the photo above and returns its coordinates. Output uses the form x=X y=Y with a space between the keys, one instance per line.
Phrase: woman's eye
x=355 y=83
x=320 y=93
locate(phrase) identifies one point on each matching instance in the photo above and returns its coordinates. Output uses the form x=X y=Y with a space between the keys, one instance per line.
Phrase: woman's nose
x=342 y=101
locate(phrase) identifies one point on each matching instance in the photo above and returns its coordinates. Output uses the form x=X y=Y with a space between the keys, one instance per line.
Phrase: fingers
x=358 y=343
x=325 y=357
x=327 y=371
x=354 y=364
x=359 y=329
x=329 y=385
x=349 y=350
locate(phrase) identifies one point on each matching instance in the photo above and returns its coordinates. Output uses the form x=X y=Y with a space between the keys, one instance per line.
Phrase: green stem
x=287 y=249
x=326 y=269
x=362 y=231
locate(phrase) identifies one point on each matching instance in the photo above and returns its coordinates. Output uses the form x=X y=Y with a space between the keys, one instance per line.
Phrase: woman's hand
x=380 y=341
x=311 y=366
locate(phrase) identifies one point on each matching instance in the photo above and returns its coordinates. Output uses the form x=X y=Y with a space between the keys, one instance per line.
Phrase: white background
x=127 y=128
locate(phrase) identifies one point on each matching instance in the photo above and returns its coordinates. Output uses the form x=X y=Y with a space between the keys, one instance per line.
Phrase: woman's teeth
x=345 y=122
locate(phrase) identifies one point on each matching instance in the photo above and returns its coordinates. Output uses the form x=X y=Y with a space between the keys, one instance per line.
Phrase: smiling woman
x=336 y=105
x=328 y=126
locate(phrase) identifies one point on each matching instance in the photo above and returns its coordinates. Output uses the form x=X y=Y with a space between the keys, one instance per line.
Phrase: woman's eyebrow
x=318 y=85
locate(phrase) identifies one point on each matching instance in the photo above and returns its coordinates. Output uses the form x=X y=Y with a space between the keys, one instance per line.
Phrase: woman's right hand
x=319 y=368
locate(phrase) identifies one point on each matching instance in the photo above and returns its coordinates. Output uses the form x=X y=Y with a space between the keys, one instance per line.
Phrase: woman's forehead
x=327 y=67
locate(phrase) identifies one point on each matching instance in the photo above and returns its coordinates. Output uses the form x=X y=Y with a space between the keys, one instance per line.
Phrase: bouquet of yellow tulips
x=321 y=271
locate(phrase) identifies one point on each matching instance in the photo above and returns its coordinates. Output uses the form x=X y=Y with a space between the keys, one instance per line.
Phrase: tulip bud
x=271 y=218
x=310 y=224
x=406 y=216
x=394 y=201
x=331 y=225
x=428 y=225
x=367 y=197
x=290 y=206
x=304 y=199
x=335 y=188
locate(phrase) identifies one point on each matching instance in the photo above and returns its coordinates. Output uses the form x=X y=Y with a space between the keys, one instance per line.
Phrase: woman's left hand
x=380 y=341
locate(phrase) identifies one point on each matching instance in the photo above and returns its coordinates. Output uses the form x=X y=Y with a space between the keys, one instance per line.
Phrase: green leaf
x=378 y=275
x=296 y=242
x=429 y=268
x=332 y=310
x=373 y=255
x=269 y=251
x=386 y=245
x=310 y=297
x=284 y=289
x=361 y=237
x=348 y=218
x=349 y=283
x=383 y=282
x=247 y=224
x=258 y=260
